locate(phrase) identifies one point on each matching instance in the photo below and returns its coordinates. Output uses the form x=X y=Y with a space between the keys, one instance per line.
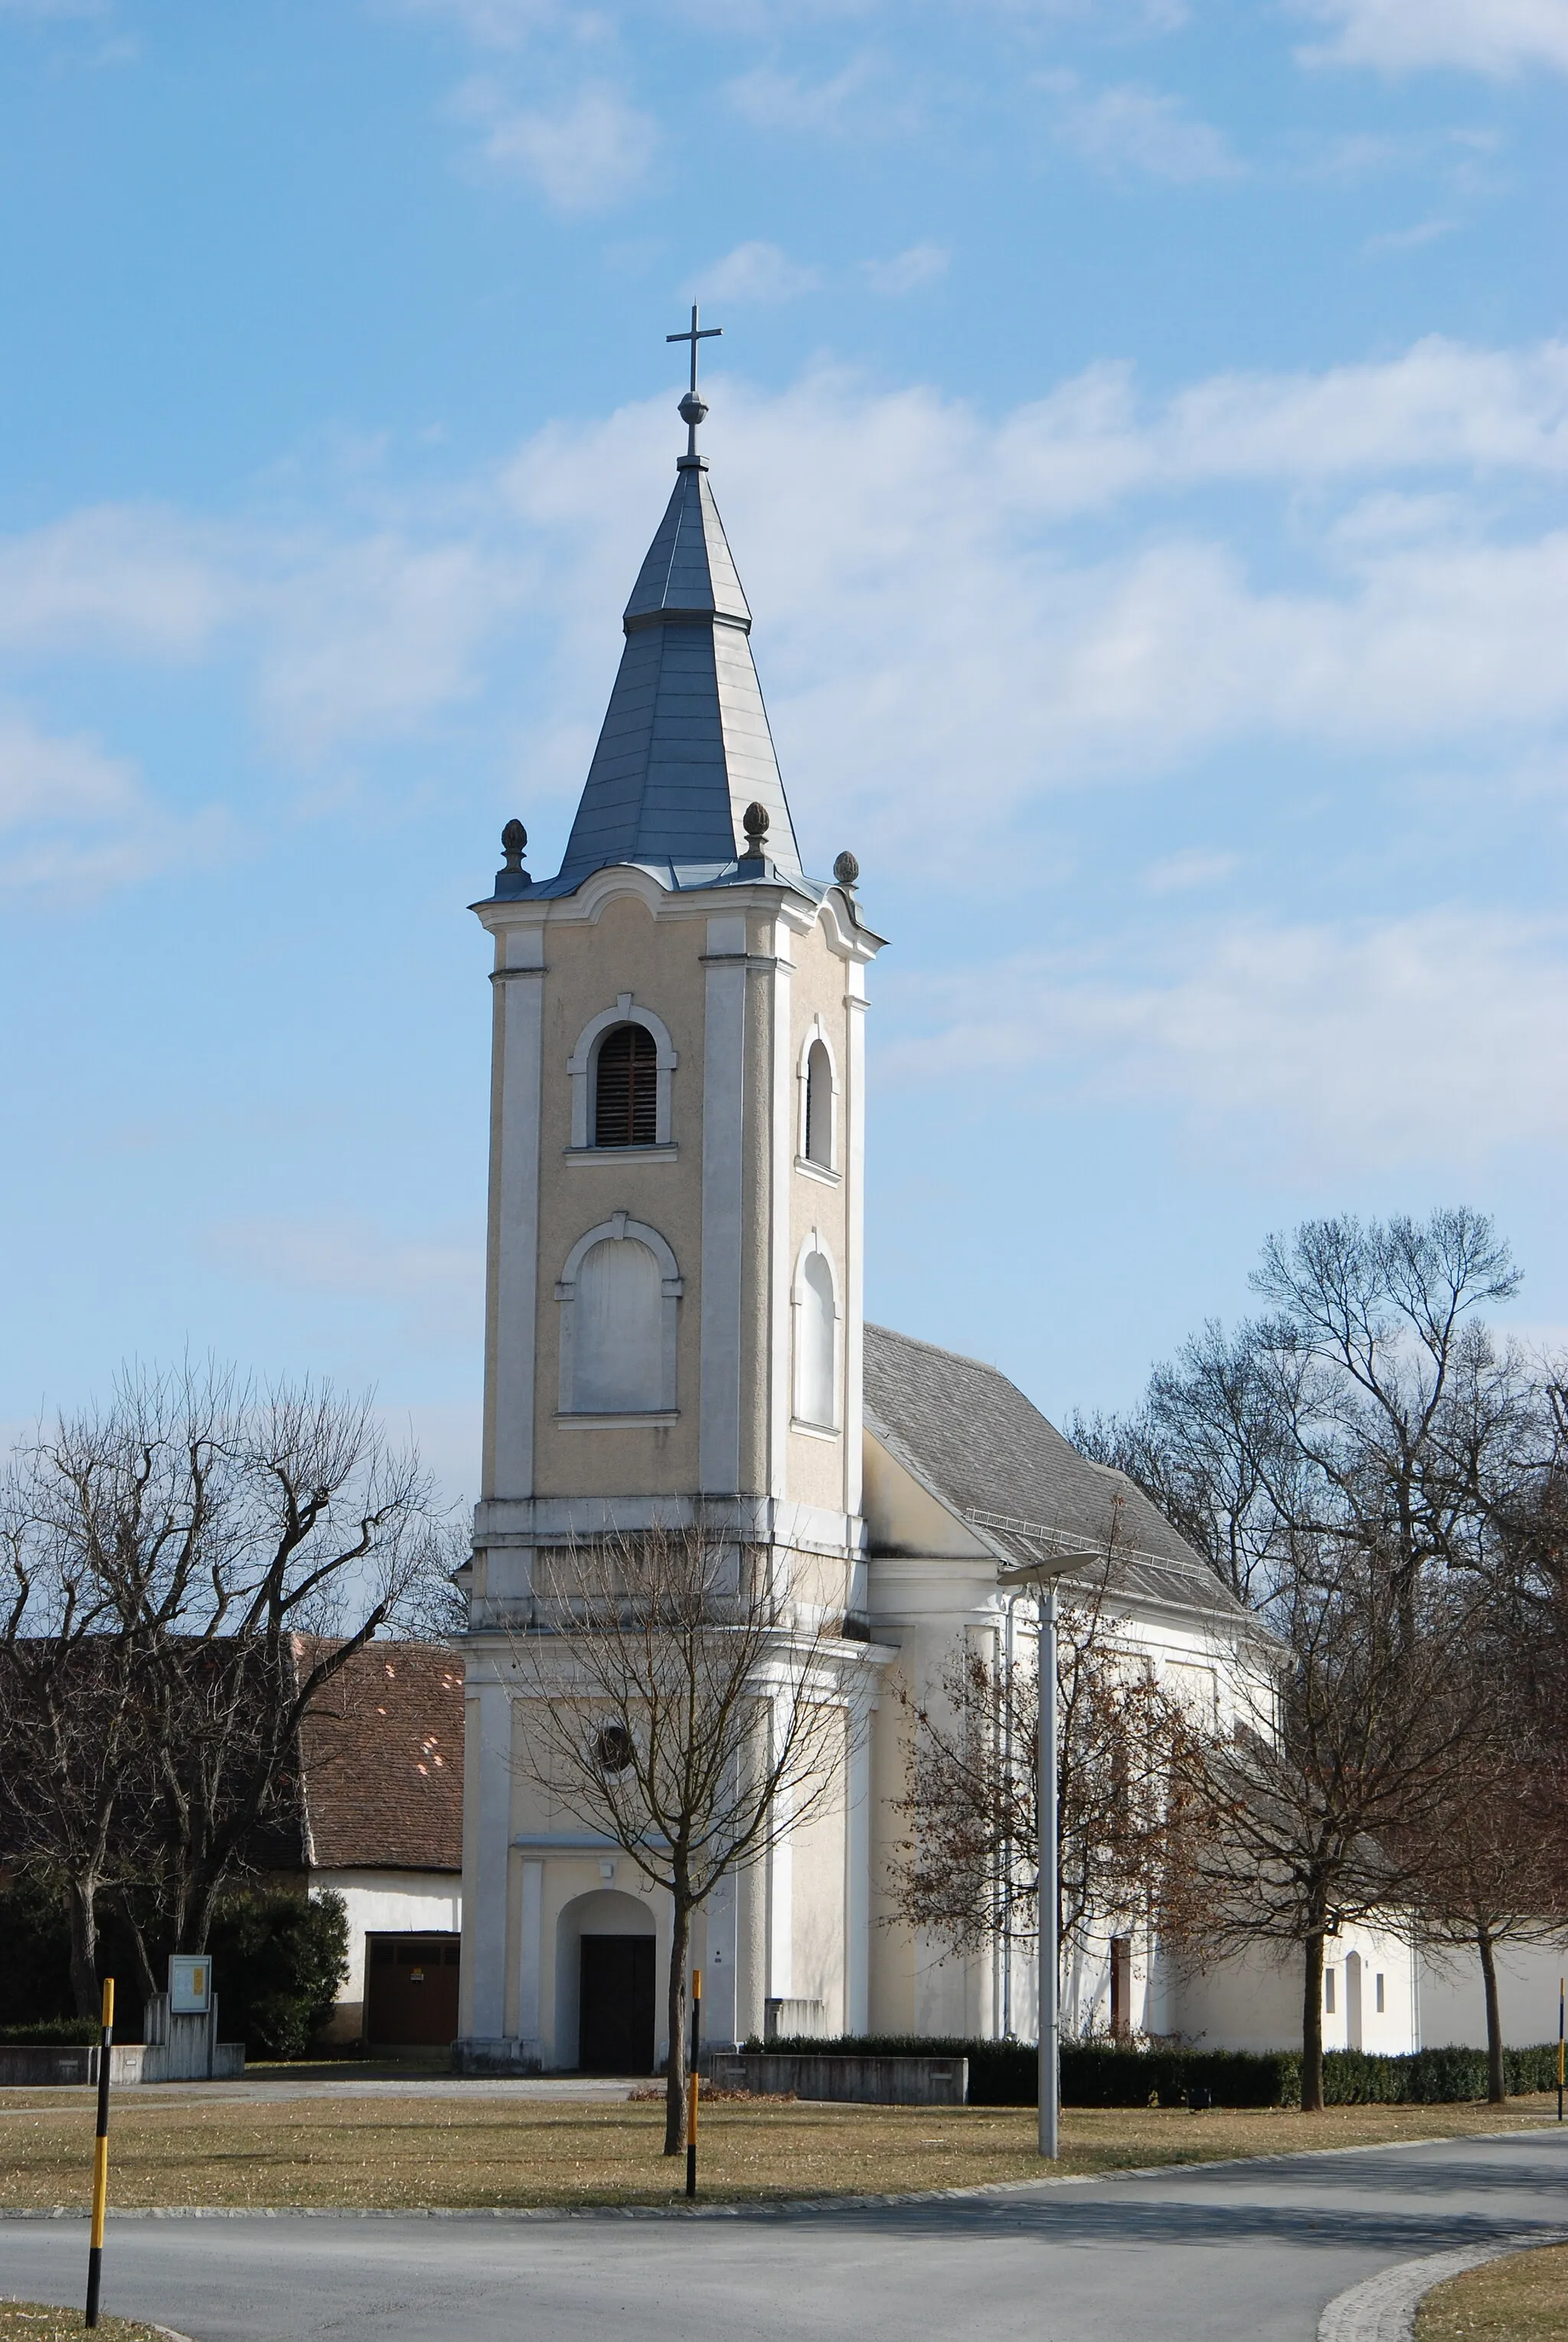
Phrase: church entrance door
x=615 y=2005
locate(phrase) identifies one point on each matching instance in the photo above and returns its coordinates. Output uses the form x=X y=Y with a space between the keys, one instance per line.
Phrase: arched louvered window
x=626 y=1087
x=819 y=1106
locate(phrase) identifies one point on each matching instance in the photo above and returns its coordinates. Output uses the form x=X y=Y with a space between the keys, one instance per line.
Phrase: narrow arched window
x=818 y=1344
x=619 y=1347
x=626 y=1087
x=819 y=1106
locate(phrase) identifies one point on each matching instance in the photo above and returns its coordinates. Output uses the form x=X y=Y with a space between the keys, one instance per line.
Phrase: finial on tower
x=691 y=409
x=846 y=870
x=756 y=822
x=512 y=879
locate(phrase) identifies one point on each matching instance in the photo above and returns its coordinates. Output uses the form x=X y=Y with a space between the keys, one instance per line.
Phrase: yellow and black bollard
x=693 y=2085
x=101 y=2155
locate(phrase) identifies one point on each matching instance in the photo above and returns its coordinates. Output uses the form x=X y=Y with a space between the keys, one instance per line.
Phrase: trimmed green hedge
x=1097 y=2074
x=72 y=2031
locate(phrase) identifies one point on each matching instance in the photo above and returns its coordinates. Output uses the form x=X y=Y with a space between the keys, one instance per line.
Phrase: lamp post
x=1042 y=1576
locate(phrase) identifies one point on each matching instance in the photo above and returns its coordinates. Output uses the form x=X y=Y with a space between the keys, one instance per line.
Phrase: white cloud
x=133 y=580
x=1410 y=239
x=74 y=816
x=508 y=24
x=1130 y=128
x=434 y=1284
x=1328 y=1049
x=907 y=272
x=1193 y=867
x=853 y=102
x=1499 y=38
x=584 y=155
x=757 y=272
x=363 y=640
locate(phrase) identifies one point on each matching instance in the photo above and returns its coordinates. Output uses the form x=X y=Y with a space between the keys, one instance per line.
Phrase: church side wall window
x=816 y=1340
x=626 y=1087
x=620 y=1296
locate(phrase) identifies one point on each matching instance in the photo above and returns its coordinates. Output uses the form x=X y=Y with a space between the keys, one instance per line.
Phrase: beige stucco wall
x=589 y=963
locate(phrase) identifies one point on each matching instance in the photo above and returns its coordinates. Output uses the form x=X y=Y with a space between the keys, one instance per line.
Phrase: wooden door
x=411 y=2001
x=615 y=2010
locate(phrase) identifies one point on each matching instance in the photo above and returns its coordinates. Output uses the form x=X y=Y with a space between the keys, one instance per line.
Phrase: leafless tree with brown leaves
x=682 y=1705
x=966 y=1868
x=1315 y=1809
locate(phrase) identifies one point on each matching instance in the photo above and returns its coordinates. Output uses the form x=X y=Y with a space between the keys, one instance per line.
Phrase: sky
x=1142 y=428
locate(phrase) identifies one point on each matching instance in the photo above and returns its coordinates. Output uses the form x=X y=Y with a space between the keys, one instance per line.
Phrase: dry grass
x=496 y=2152
x=1521 y=2298
x=35 y=2321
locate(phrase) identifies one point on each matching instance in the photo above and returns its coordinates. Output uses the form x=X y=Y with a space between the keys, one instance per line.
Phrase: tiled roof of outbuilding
x=973 y=1438
x=381 y=1762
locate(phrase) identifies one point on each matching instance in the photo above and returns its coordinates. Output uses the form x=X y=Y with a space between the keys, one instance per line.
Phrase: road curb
x=1382 y=2307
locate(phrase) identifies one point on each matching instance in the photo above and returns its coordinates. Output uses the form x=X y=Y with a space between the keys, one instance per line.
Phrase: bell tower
x=674 y=1270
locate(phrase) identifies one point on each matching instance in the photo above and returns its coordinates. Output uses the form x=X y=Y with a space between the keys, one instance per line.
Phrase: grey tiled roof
x=686 y=744
x=974 y=1439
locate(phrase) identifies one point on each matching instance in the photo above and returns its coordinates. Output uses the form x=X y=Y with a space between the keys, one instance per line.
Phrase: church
x=675 y=1270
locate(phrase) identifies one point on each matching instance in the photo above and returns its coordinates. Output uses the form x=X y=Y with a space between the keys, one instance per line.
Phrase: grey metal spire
x=685 y=746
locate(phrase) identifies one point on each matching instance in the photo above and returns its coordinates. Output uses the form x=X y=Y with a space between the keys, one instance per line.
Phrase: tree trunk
x=1496 y=2087
x=675 y=2077
x=1312 y=2026
x=82 y=1897
x=148 y=1981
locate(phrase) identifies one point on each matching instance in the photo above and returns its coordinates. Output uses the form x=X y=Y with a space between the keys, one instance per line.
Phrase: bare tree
x=967 y=1869
x=1489 y=1871
x=687 y=1708
x=1316 y=1810
x=163 y=1553
x=128 y=1496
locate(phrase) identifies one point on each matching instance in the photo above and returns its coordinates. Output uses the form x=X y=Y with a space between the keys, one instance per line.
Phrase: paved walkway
x=1243 y=2252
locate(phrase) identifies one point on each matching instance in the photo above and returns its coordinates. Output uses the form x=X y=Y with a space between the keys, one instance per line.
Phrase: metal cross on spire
x=692 y=408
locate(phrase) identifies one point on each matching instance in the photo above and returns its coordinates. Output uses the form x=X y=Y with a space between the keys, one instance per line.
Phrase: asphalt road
x=1237 y=2253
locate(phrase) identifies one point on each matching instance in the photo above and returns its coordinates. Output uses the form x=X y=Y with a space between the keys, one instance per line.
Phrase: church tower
x=673 y=1314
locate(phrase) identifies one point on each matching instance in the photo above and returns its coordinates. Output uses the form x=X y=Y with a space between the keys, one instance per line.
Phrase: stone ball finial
x=514 y=839
x=846 y=870
x=756 y=818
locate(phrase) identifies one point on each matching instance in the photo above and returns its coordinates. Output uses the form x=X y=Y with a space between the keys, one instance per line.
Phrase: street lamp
x=1042 y=1576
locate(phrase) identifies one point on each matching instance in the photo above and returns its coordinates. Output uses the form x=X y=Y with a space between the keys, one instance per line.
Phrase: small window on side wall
x=627 y=1088
x=819 y=1106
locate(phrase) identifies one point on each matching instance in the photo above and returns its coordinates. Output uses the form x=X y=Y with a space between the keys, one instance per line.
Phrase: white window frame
x=581 y=1067
x=828 y=1170
x=799 y=1419
x=618 y=1229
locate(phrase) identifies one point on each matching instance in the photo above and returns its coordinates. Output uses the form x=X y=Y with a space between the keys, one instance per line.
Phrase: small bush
x=278 y=1963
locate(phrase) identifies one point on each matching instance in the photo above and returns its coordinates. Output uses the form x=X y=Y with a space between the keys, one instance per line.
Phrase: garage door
x=411 y=2001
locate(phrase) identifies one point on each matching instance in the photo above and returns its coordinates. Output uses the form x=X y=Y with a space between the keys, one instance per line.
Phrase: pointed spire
x=685 y=746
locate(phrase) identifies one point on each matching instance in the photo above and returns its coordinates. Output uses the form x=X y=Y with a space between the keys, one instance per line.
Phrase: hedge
x=72 y=2031
x=1099 y=2074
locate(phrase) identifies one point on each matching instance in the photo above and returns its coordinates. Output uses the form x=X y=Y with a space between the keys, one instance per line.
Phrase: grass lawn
x=489 y=2152
x=34 y=2321
x=1521 y=2298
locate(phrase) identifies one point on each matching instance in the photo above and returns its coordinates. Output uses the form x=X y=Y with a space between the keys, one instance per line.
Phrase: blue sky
x=1142 y=431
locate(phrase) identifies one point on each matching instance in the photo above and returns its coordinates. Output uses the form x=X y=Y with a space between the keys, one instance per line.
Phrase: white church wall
x=1453 y=2008
x=1253 y=1999
x=383 y=1903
